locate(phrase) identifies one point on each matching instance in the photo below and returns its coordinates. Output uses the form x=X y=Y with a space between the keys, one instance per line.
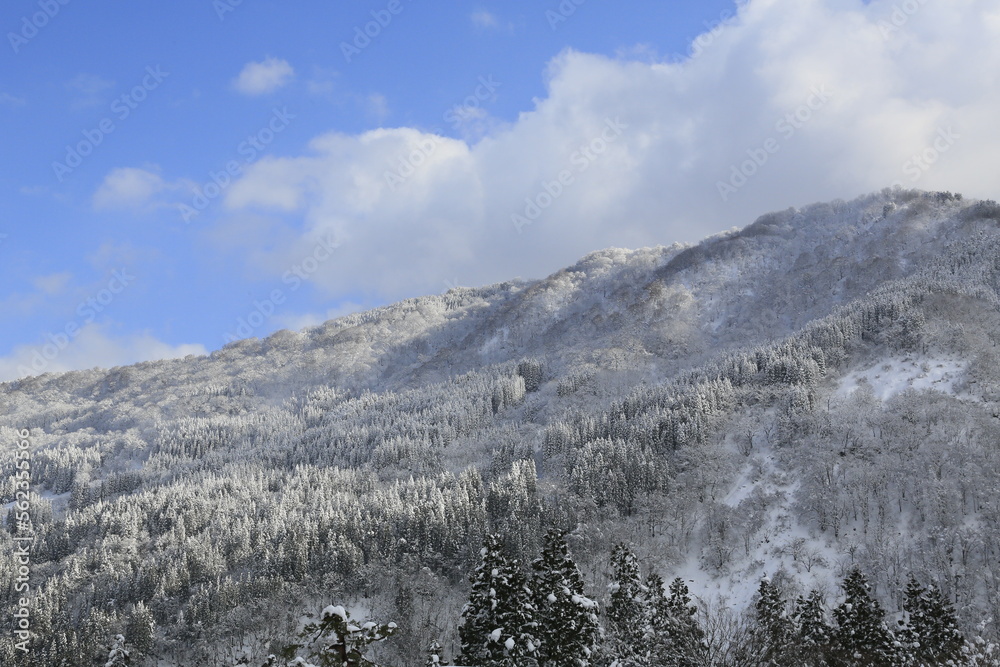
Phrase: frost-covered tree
x=772 y=630
x=498 y=623
x=435 y=655
x=334 y=641
x=683 y=642
x=624 y=642
x=118 y=654
x=861 y=636
x=567 y=630
x=812 y=632
x=929 y=632
x=141 y=630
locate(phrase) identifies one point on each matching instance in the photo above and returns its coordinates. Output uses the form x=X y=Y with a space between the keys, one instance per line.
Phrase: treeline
x=541 y=616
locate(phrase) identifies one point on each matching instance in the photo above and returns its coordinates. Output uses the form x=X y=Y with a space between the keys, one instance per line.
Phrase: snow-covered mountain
x=814 y=392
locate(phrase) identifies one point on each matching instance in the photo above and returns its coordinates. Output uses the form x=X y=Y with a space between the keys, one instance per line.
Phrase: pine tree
x=498 y=628
x=625 y=640
x=567 y=619
x=685 y=642
x=335 y=641
x=141 y=630
x=772 y=629
x=434 y=658
x=812 y=633
x=118 y=655
x=929 y=634
x=861 y=636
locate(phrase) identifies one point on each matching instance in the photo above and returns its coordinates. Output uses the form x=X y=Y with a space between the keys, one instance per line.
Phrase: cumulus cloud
x=128 y=187
x=264 y=77
x=787 y=103
x=93 y=346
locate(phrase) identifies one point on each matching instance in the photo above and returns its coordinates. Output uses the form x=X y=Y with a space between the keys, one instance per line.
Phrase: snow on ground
x=892 y=375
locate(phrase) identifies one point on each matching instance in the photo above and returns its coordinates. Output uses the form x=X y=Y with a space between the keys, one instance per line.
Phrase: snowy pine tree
x=861 y=636
x=118 y=655
x=929 y=633
x=684 y=644
x=567 y=619
x=772 y=629
x=335 y=641
x=498 y=628
x=812 y=633
x=434 y=655
x=624 y=644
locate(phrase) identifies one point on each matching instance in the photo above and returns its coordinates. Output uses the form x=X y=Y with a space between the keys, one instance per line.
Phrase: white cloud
x=264 y=77
x=93 y=346
x=130 y=187
x=484 y=19
x=831 y=96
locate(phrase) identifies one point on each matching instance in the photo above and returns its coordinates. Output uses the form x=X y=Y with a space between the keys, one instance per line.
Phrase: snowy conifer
x=335 y=641
x=434 y=655
x=625 y=641
x=929 y=633
x=685 y=642
x=772 y=629
x=498 y=628
x=567 y=619
x=861 y=636
x=118 y=655
x=812 y=633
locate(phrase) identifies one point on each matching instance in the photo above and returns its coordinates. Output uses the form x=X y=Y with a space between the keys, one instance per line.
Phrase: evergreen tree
x=334 y=641
x=861 y=636
x=434 y=658
x=659 y=624
x=498 y=628
x=624 y=644
x=567 y=619
x=929 y=633
x=141 y=630
x=772 y=629
x=118 y=655
x=684 y=644
x=812 y=633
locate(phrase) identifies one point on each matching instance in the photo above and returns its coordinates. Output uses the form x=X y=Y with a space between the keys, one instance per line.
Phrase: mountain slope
x=813 y=392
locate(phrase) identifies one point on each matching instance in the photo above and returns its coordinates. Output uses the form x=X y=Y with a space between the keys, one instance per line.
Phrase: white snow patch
x=892 y=375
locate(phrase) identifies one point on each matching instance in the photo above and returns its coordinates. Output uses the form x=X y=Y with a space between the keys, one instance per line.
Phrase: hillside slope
x=813 y=392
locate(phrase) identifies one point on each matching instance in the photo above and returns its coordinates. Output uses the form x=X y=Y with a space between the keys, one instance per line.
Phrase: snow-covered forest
x=751 y=451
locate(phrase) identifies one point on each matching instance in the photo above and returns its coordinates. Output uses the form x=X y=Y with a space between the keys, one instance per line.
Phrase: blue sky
x=176 y=174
